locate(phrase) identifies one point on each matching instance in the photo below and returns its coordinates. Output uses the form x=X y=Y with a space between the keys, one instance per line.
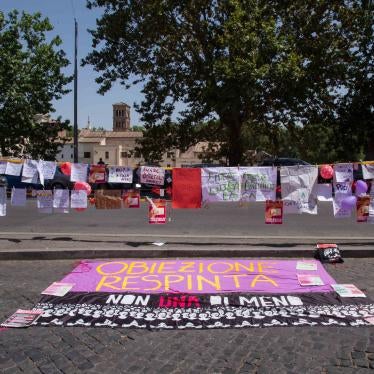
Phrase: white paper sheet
x=18 y=197
x=79 y=172
x=13 y=168
x=343 y=173
x=120 y=174
x=78 y=199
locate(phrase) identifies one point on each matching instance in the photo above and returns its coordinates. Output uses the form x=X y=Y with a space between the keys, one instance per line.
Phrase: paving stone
x=361 y=363
x=357 y=355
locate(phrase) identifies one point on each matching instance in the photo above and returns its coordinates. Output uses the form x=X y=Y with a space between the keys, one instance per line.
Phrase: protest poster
x=58 y=289
x=44 y=201
x=347 y=290
x=258 y=183
x=2 y=201
x=199 y=293
x=343 y=173
x=362 y=208
x=22 y=318
x=220 y=184
x=157 y=212
x=186 y=188
x=2 y=167
x=97 y=174
x=131 y=199
x=13 y=168
x=108 y=199
x=339 y=211
x=61 y=201
x=30 y=171
x=306 y=265
x=274 y=212
x=368 y=171
x=78 y=199
x=78 y=172
x=324 y=192
x=299 y=189
x=152 y=175
x=120 y=174
x=309 y=280
x=18 y=197
x=47 y=169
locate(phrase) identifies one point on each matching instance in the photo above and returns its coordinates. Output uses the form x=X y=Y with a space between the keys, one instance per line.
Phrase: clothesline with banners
x=284 y=190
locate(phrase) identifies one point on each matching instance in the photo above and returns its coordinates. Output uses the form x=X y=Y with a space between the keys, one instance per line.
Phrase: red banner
x=186 y=188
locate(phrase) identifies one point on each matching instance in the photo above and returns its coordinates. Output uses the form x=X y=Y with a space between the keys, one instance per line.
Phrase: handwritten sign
x=152 y=175
x=258 y=183
x=343 y=173
x=61 y=200
x=47 y=169
x=120 y=174
x=299 y=189
x=78 y=199
x=220 y=184
x=339 y=211
x=18 y=197
x=13 y=168
x=44 y=201
x=97 y=174
x=78 y=172
x=368 y=171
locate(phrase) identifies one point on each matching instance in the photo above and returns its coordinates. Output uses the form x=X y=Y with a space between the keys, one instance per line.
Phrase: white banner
x=220 y=184
x=152 y=175
x=120 y=174
x=78 y=172
x=343 y=173
x=258 y=183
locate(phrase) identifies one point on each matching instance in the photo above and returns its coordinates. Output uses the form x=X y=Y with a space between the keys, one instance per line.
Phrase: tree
x=30 y=78
x=249 y=63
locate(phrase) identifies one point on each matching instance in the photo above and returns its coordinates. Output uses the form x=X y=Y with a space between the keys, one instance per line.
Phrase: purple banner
x=195 y=276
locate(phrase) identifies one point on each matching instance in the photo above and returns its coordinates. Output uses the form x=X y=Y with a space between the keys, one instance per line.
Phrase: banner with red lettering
x=186 y=188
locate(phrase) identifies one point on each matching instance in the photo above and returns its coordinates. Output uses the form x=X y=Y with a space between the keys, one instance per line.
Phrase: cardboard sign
x=22 y=318
x=44 y=201
x=274 y=212
x=18 y=197
x=362 y=208
x=132 y=199
x=120 y=174
x=220 y=184
x=343 y=173
x=97 y=174
x=152 y=175
x=13 y=168
x=258 y=183
x=186 y=188
x=157 y=212
x=78 y=172
x=108 y=199
x=347 y=290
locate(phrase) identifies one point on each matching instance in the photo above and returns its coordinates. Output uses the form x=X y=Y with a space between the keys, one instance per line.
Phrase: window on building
x=170 y=154
x=71 y=146
x=87 y=154
x=62 y=156
x=124 y=155
x=71 y=156
x=106 y=155
x=137 y=154
x=168 y=166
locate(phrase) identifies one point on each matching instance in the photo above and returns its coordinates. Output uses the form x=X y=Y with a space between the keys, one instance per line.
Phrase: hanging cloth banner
x=186 y=188
x=97 y=174
x=220 y=184
x=299 y=189
x=258 y=183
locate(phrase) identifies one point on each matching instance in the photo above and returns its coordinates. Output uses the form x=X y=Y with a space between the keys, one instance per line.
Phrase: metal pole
x=75 y=95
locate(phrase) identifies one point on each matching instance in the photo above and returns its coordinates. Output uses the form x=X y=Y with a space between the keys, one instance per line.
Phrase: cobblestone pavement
x=103 y=350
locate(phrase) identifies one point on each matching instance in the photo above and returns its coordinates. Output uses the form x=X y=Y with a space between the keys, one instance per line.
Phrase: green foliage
x=30 y=78
x=273 y=66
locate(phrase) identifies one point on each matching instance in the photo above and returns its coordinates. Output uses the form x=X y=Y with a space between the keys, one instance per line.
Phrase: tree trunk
x=235 y=141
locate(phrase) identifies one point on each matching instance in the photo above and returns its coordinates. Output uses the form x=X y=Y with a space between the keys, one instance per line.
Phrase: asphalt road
x=298 y=350
x=216 y=221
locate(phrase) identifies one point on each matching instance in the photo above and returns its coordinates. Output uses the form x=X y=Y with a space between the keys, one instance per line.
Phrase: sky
x=97 y=107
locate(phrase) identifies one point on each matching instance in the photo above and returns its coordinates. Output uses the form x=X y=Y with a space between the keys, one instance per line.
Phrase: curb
x=92 y=253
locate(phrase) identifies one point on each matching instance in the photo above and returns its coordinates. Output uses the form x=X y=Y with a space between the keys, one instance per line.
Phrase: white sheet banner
x=343 y=173
x=18 y=197
x=324 y=192
x=47 y=169
x=13 y=168
x=299 y=189
x=220 y=184
x=368 y=171
x=152 y=175
x=258 y=183
x=79 y=172
x=120 y=174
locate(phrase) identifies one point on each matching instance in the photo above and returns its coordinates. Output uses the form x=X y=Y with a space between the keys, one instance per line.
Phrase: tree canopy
x=241 y=64
x=30 y=78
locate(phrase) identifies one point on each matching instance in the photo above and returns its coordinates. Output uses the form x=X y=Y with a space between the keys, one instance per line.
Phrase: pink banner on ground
x=194 y=276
